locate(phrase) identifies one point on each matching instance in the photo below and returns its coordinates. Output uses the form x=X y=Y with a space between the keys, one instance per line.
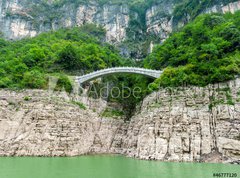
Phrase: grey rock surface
x=19 y=19
x=188 y=124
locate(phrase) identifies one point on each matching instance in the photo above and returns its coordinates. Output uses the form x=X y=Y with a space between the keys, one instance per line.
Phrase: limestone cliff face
x=159 y=18
x=231 y=7
x=193 y=124
x=188 y=125
x=25 y=18
x=44 y=126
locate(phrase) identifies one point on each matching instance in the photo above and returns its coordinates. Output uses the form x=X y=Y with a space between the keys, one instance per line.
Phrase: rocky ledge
x=184 y=124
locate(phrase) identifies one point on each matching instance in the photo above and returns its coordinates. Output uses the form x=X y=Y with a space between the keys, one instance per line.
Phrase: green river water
x=106 y=167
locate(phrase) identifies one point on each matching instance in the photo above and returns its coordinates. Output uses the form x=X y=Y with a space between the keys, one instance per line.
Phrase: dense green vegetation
x=205 y=51
x=133 y=88
x=112 y=113
x=138 y=39
x=28 y=63
x=128 y=90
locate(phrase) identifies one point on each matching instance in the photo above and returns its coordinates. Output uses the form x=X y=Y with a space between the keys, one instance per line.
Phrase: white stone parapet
x=130 y=70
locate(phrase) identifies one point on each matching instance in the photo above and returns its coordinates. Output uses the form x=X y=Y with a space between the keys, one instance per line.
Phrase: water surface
x=106 y=167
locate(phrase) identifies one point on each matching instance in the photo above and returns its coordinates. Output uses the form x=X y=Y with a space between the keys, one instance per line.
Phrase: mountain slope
x=131 y=25
x=204 y=51
x=28 y=62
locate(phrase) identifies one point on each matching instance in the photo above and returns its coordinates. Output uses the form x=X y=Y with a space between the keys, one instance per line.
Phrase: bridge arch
x=117 y=70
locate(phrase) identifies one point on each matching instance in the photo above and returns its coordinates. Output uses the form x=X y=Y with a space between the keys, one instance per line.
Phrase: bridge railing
x=99 y=73
x=119 y=68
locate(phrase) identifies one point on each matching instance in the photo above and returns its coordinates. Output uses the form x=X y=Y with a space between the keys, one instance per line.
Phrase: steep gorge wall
x=188 y=124
x=192 y=124
x=27 y=18
x=43 y=126
x=23 y=18
x=161 y=21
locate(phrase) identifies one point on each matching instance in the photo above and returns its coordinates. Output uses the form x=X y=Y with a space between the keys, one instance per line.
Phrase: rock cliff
x=231 y=7
x=27 y=18
x=32 y=124
x=187 y=124
x=160 y=18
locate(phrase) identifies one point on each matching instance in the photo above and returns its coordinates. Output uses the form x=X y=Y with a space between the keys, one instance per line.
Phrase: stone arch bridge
x=119 y=70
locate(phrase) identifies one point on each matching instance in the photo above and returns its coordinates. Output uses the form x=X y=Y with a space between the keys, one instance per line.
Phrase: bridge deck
x=130 y=70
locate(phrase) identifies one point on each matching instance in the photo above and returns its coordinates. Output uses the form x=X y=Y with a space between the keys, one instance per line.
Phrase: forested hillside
x=205 y=51
x=131 y=25
x=28 y=63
